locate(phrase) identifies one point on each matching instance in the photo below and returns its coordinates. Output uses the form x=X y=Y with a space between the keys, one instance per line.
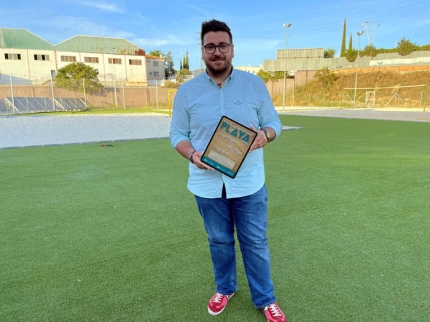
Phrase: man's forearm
x=185 y=149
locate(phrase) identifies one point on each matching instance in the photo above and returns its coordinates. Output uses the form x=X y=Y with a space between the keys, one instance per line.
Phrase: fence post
x=11 y=90
x=123 y=94
x=85 y=94
x=52 y=93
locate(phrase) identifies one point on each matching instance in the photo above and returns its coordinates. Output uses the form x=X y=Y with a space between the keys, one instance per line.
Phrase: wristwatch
x=267 y=134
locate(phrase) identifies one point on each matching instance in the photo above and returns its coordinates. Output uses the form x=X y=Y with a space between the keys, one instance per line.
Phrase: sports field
x=92 y=233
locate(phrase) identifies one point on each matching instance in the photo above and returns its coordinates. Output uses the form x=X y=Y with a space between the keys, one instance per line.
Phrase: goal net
x=393 y=96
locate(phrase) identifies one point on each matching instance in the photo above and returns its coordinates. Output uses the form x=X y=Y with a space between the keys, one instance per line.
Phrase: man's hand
x=197 y=160
x=260 y=141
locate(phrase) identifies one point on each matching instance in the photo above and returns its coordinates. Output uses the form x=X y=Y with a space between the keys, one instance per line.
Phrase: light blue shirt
x=198 y=107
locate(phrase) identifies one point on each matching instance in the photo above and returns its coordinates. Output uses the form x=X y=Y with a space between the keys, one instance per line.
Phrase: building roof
x=22 y=39
x=154 y=57
x=90 y=44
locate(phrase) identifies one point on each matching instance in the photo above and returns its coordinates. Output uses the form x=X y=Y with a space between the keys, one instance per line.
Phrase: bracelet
x=191 y=156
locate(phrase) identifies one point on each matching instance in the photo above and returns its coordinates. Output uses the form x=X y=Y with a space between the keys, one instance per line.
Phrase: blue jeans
x=249 y=215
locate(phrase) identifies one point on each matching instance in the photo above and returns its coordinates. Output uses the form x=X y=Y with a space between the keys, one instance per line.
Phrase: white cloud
x=112 y=7
x=200 y=10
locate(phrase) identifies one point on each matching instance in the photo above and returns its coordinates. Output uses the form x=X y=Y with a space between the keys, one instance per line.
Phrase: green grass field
x=111 y=234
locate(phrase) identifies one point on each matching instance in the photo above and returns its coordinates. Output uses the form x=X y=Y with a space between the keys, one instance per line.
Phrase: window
x=94 y=60
x=12 y=56
x=69 y=59
x=156 y=74
x=155 y=63
x=135 y=62
x=41 y=57
x=116 y=61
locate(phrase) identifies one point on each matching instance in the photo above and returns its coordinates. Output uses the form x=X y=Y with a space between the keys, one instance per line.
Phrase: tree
x=266 y=76
x=73 y=75
x=343 y=47
x=405 y=47
x=168 y=65
x=156 y=53
x=351 y=54
x=185 y=62
x=369 y=50
x=326 y=77
x=329 y=53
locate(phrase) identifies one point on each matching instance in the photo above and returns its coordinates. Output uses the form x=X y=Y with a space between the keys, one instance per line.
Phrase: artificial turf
x=91 y=233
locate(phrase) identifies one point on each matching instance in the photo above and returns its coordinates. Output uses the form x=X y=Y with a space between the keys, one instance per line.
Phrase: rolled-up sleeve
x=180 y=126
x=267 y=115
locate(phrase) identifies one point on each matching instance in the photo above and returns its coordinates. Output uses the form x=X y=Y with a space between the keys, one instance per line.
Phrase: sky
x=257 y=26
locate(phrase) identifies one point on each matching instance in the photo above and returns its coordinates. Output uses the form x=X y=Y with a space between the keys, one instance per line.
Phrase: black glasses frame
x=212 y=48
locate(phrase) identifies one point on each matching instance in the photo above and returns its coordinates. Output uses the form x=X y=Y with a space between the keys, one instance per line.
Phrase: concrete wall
x=381 y=60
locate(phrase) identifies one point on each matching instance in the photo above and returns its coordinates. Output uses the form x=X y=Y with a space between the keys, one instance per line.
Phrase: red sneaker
x=217 y=303
x=274 y=314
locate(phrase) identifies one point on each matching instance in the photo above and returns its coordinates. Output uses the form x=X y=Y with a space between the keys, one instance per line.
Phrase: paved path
x=412 y=115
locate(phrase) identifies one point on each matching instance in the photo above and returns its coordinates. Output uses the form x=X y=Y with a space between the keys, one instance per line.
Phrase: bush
x=405 y=47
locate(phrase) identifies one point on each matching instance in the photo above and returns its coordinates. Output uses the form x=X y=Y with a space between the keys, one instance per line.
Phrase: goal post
x=170 y=100
x=391 y=96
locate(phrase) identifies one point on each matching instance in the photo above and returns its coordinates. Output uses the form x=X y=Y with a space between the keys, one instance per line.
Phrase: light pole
x=374 y=33
x=113 y=71
x=359 y=33
x=113 y=79
x=367 y=31
x=286 y=25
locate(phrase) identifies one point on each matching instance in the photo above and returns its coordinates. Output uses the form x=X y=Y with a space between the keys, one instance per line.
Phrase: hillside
x=370 y=91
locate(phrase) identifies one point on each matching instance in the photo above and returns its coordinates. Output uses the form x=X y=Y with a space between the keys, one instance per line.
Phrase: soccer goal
x=392 y=96
x=170 y=93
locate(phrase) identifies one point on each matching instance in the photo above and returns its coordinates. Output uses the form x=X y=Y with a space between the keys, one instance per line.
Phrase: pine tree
x=351 y=54
x=343 y=47
x=186 y=64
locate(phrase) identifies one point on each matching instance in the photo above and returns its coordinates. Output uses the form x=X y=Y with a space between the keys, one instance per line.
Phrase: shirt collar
x=226 y=80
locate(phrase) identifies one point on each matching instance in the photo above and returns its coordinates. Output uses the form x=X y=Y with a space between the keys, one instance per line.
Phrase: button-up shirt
x=199 y=105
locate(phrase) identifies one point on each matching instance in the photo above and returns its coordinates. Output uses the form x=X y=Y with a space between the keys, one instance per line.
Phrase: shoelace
x=275 y=310
x=217 y=298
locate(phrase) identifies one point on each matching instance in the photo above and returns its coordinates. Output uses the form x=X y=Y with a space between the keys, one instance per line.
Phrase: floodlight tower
x=286 y=25
x=359 y=33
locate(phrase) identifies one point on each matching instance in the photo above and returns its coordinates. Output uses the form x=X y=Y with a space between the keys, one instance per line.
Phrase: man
x=226 y=204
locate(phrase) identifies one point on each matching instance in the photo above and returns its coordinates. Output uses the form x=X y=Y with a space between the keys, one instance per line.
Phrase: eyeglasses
x=223 y=48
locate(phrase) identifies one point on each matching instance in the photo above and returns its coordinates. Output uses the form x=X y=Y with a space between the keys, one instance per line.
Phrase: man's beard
x=218 y=71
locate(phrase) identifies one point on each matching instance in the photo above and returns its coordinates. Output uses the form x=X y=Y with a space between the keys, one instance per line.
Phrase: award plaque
x=228 y=147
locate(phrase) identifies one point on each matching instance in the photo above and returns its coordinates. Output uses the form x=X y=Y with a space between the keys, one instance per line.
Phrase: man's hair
x=215 y=25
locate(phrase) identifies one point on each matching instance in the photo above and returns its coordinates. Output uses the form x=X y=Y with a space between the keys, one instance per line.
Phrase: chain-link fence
x=32 y=98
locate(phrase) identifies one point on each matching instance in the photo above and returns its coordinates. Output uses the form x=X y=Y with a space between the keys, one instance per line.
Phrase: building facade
x=28 y=58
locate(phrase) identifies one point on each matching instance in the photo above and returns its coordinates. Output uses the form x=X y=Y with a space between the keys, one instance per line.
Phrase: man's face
x=217 y=63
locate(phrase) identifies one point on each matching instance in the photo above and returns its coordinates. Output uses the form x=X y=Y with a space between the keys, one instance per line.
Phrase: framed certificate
x=228 y=147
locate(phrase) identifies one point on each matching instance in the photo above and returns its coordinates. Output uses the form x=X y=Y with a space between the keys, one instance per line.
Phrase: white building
x=250 y=69
x=29 y=57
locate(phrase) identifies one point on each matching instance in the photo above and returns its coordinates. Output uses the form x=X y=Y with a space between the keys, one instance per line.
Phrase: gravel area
x=42 y=130
x=24 y=131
